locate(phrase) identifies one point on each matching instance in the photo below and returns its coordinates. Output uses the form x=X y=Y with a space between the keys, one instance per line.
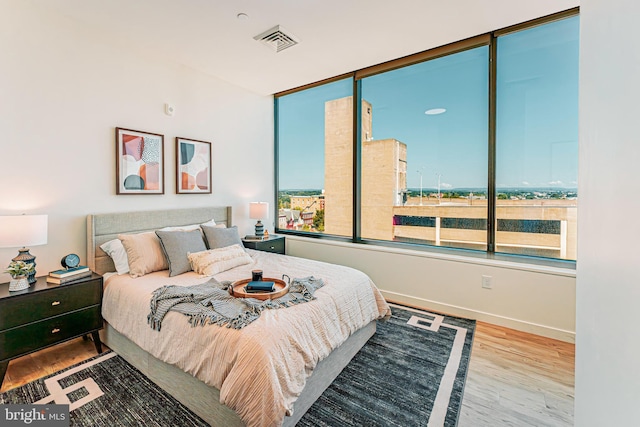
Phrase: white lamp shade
x=23 y=230
x=258 y=210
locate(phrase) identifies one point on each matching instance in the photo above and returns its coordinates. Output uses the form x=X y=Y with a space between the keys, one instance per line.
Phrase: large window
x=424 y=152
x=314 y=152
x=472 y=145
x=537 y=140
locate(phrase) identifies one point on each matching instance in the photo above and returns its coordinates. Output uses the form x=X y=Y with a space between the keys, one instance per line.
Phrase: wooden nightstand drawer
x=272 y=244
x=25 y=339
x=275 y=246
x=49 y=302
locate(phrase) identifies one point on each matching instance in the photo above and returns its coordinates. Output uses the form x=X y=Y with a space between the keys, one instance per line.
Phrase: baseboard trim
x=507 y=322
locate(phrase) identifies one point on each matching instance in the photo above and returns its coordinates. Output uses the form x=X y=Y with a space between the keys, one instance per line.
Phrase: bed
x=188 y=362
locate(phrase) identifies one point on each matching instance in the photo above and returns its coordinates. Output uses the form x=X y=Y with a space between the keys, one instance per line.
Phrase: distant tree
x=502 y=196
x=284 y=201
x=318 y=220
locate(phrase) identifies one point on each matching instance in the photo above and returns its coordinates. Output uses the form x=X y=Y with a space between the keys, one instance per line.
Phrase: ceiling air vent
x=277 y=39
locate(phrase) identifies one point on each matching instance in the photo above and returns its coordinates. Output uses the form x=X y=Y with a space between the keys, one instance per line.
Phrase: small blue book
x=260 y=287
x=65 y=272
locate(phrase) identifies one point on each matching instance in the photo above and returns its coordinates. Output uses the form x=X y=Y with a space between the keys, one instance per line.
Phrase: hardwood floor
x=518 y=379
x=514 y=379
x=47 y=361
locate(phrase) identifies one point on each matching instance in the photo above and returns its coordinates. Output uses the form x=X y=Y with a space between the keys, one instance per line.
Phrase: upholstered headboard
x=104 y=227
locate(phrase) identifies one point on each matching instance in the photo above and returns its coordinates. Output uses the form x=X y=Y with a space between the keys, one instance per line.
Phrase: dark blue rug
x=105 y=391
x=410 y=373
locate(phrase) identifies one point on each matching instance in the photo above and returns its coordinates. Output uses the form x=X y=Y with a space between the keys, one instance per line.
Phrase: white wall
x=64 y=87
x=608 y=288
x=534 y=299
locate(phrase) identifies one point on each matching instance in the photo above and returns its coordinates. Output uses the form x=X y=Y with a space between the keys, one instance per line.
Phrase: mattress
x=260 y=369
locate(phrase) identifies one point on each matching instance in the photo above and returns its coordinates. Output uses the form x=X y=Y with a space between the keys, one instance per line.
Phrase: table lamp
x=259 y=210
x=23 y=230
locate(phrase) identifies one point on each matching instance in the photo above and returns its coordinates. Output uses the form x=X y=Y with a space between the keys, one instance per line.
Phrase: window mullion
x=491 y=167
x=357 y=165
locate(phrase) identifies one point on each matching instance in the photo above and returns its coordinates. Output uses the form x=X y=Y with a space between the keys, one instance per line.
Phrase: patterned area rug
x=410 y=373
x=105 y=391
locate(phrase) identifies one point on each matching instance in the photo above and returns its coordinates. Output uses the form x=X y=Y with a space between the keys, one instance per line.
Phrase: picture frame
x=139 y=162
x=193 y=166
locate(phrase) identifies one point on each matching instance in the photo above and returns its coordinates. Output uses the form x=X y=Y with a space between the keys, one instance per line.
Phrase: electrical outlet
x=486 y=282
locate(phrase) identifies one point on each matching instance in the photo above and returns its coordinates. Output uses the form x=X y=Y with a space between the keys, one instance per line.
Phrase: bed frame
x=202 y=399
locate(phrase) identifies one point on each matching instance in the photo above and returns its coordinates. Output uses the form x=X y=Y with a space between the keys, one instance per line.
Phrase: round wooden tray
x=237 y=289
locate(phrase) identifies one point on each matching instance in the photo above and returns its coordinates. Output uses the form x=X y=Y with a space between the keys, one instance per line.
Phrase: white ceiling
x=336 y=36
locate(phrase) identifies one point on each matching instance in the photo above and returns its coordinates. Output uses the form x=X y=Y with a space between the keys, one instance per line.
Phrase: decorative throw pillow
x=144 y=253
x=118 y=254
x=176 y=245
x=218 y=237
x=214 y=261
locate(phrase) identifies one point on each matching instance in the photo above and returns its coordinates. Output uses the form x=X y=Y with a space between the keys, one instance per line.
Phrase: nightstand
x=273 y=243
x=46 y=314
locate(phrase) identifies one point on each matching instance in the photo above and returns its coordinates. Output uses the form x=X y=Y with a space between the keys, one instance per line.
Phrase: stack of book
x=253 y=237
x=67 y=275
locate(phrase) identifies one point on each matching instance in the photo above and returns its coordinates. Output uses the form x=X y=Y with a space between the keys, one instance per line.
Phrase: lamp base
x=24 y=255
x=259 y=229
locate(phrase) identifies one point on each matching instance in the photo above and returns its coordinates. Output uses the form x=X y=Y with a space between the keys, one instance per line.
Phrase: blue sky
x=537 y=116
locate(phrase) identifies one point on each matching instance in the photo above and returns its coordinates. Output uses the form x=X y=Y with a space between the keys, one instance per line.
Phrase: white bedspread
x=261 y=369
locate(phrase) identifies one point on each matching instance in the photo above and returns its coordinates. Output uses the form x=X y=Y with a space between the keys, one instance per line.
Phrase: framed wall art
x=193 y=166
x=139 y=162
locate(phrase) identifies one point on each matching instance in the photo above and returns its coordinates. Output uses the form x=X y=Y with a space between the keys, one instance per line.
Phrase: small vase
x=18 y=283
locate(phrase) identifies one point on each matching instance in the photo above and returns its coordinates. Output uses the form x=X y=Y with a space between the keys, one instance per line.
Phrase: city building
x=289 y=219
x=546 y=228
x=384 y=177
x=338 y=164
x=384 y=173
x=308 y=203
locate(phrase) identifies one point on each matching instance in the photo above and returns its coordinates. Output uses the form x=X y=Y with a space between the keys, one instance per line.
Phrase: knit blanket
x=211 y=303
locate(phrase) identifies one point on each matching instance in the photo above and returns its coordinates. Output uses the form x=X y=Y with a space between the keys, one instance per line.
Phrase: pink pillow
x=144 y=253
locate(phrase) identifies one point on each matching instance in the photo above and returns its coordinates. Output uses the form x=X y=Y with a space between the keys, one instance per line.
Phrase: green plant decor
x=20 y=268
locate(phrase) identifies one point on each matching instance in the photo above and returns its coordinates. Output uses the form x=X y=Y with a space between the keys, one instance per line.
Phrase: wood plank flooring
x=47 y=361
x=514 y=379
x=518 y=379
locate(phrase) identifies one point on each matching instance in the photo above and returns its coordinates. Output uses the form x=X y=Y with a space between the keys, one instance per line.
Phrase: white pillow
x=210 y=223
x=118 y=254
x=214 y=261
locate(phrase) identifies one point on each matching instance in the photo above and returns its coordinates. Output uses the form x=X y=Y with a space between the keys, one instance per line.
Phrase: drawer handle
x=55 y=303
x=55 y=331
x=273 y=247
